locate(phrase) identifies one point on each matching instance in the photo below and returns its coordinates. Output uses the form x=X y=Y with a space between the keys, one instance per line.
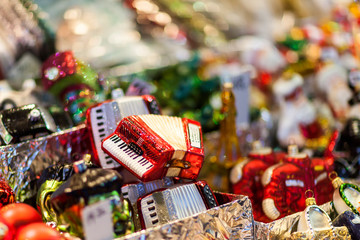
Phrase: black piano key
x=100 y=124
x=99 y=117
x=101 y=129
x=102 y=135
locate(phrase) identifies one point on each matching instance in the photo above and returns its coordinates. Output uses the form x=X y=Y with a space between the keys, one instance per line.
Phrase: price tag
x=241 y=85
x=97 y=221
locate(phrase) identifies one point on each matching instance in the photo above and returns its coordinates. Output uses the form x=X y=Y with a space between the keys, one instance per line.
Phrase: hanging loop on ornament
x=310 y=200
x=333 y=175
x=335 y=180
x=309 y=193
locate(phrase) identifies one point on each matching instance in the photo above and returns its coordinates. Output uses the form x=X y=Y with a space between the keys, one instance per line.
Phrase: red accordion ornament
x=165 y=205
x=154 y=146
x=103 y=119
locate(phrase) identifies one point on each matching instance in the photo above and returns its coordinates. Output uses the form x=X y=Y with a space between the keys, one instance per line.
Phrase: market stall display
x=183 y=125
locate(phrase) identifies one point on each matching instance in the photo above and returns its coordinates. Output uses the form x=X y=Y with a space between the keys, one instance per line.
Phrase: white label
x=294 y=183
x=241 y=85
x=194 y=135
x=97 y=221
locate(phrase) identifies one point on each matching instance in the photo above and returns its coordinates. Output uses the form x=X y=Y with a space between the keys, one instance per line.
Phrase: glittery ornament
x=72 y=81
x=86 y=187
x=285 y=183
x=7 y=196
x=245 y=176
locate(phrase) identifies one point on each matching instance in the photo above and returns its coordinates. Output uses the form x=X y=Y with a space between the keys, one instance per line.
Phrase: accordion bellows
x=154 y=146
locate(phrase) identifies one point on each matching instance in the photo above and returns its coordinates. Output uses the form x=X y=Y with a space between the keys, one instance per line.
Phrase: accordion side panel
x=152 y=104
x=101 y=121
x=195 y=152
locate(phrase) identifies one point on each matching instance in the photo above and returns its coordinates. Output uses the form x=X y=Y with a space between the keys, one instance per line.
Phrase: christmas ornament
x=103 y=119
x=135 y=191
x=227 y=150
x=297 y=120
x=228 y=147
x=73 y=82
x=315 y=223
x=38 y=231
x=7 y=195
x=246 y=176
x=346 y=196
x=285 y=183
x=154 y=146
x=331 y=80
x=344 y=149
x=50 y=180
x=15 y=216
x=349 y=220
x=175 y=203
x=86 y=187
x=24 y=123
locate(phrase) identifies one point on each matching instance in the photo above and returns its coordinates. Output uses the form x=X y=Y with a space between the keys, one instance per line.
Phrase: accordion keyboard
x=130 y=158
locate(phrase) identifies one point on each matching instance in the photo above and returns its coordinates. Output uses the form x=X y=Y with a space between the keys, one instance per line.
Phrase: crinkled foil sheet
x=22 y=163
x=233 y=220
x=282 y=228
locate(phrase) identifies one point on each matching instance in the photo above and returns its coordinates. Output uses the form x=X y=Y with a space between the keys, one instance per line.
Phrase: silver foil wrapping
x=282 y=228
x=233 y=220
x=22 y=163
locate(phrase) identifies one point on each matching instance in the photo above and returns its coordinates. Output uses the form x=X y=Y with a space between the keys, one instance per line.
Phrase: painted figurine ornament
x=245 y=176
x=285 y=183
x=298 y=119
x=332 y=81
